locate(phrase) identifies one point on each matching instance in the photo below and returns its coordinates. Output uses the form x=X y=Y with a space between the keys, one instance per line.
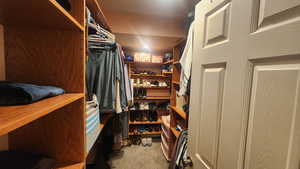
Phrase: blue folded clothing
x=21 y=93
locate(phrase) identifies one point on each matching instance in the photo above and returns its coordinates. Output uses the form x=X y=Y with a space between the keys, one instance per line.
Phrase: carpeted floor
x=138 y=157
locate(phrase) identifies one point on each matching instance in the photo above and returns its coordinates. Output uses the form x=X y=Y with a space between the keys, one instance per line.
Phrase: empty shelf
x=42 y=13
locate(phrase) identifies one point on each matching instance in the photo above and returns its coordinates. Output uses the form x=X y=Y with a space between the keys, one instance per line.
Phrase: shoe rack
x=150 y=94
x=177 y=115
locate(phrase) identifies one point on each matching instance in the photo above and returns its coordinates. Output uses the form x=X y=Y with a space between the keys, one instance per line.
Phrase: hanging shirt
x=186 y=62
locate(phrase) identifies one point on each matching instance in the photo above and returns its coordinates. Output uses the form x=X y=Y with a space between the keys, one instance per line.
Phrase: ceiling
x=154 y=24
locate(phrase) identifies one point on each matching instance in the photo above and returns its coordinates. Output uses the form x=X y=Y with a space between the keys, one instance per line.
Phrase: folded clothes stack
x=92 y=122
x=24 y=160
x=23 y=93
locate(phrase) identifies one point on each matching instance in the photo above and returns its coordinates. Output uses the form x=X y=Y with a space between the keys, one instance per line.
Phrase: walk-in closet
x=149 y=84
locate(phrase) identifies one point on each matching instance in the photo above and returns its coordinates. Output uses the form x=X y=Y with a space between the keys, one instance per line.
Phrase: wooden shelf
x=147 y=76
x=13 y=117
x=169 y=62
x=144 y=63
x=152 y=87
x=42 y=13
x=70 y=166
x=144 y=122
x=145 y=133
x=176 y=63
x=176 y=82
x=97 y=12
x=175 y=132
x=153 y=98
x=168 y=73
x=105 y=120
x=179 y=112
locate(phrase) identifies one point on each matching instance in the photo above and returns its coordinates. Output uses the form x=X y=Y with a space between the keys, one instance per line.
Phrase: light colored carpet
x=138 y=157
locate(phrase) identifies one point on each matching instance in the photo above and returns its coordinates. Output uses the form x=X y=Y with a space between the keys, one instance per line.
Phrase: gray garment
x=101 y=77
x=124 y=122
x=119 y=69
x=104 y=67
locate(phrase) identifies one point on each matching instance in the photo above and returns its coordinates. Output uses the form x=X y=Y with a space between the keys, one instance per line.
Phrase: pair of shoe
x=162 y=84
x=144 y=106
x=147 y=142
x=140 y=93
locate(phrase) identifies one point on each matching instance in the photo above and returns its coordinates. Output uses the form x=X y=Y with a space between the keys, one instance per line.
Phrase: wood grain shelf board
x=179 y=112
x=175 y=132
x=13 y=117
x=147 y=76
x=105 y=120
x=144 y=122
x=167 y=73
x=153 y=98
x=70 y=166
x=169 y=62
x=152 y=87
x=176 y=82
x=143 y=63
x=176 y=63
x=145 y=133
x=42 y=13
x=98 y=14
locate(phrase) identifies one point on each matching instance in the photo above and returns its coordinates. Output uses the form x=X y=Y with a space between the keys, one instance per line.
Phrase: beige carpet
x=138 y=157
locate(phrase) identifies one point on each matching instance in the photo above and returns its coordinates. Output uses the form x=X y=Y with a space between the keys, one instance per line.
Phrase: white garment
x=186 y=62
x=118 y=98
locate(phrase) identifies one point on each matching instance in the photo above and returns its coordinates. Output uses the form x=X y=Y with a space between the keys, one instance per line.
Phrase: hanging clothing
x=186 y=62
x=128 y=84
x=119 y=69
x=101 y=77
x=179 y=152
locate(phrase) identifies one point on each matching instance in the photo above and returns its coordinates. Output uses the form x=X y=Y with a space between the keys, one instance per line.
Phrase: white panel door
x=244 y=111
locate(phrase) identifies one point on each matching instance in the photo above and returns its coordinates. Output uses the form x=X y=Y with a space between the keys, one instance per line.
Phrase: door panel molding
x=211 y=115
x=216 y=25
x=273 y=111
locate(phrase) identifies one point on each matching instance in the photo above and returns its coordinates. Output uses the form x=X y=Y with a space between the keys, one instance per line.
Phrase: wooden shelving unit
x=145 y=133
x=154 y=94
x=177 y=116
x=45 y=45
x=144 y=122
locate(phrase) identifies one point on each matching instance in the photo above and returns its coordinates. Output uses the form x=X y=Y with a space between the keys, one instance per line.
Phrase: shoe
x=149 y=141
x=142 y=106
x=144 y=142
x=146 y=106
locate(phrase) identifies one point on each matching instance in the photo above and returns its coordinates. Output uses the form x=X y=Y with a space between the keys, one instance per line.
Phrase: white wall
x=3 y=139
